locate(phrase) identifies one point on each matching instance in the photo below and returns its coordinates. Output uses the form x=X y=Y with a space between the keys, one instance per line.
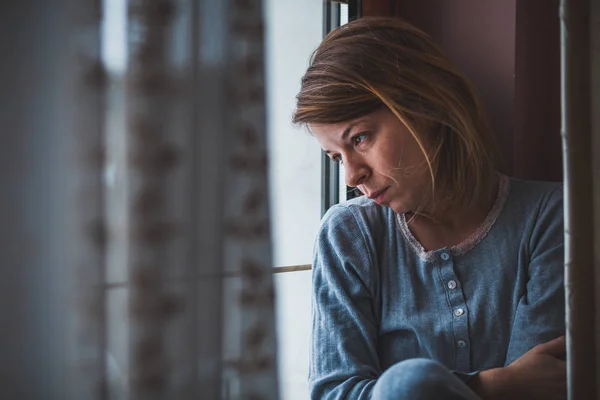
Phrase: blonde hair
x=385 y=62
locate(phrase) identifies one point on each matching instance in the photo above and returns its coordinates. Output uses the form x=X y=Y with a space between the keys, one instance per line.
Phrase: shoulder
x=529 y=199
x=359 y=209
x=351 y=231
x=539 y=206
x=354 y=216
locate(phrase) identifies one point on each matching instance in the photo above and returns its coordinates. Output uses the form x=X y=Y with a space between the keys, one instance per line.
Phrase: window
x=333 y=179
x=294 y=30
x=303 y=182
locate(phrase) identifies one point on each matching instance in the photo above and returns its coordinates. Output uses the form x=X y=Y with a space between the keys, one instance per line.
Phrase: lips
x=378 y=195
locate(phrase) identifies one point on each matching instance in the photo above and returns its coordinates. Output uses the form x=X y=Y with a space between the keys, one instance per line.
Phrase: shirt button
x=458 y=312
x=444 y=256
x=461 y=344
x=452 y=285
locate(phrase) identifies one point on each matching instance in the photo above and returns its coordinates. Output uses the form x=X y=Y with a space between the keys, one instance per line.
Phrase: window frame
x=330 y=171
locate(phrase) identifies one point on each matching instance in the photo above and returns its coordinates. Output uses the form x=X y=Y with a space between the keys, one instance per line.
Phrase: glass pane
x=294 y=30
x=342 y=186
x=343 y=14
x=343 y=190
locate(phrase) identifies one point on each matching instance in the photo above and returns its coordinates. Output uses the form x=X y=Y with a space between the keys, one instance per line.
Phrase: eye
x=336 y=158
x=358 y=139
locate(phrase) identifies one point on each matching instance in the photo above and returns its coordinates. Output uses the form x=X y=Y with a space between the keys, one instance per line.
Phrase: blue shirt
x=379 y=298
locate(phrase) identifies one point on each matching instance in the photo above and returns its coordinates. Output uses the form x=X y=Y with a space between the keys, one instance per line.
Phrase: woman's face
x=380 y=157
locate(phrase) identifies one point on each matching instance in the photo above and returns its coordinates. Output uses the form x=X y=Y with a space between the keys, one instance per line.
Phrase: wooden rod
x=292 y=268
x=224 y=274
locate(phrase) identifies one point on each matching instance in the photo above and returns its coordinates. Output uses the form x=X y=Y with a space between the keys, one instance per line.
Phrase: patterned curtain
x=147 y=270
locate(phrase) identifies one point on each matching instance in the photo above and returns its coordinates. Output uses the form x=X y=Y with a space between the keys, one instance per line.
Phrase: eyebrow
x=346 y=133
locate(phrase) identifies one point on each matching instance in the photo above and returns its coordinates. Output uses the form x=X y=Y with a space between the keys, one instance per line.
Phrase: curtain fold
x=86 y=222
x=136 y=243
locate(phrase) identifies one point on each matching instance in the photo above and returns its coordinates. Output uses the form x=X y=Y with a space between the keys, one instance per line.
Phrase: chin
x=398 y=208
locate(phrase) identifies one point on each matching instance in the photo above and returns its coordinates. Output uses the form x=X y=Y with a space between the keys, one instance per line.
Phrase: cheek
x=417 y=163
x=412 y=175
x=402 y=163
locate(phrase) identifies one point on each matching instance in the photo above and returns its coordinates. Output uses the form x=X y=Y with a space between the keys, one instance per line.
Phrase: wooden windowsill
x=292 y=268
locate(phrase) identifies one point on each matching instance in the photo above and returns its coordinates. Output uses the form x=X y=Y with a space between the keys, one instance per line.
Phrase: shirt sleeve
x=540 y=314
x=343 y=354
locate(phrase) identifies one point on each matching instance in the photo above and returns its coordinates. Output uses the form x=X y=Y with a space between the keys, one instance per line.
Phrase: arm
x=538 y=374
x=540 y=314
x=343 y=354
x=534 y=365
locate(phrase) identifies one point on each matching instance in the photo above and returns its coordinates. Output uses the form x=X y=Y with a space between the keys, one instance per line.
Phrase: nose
x=356 y=171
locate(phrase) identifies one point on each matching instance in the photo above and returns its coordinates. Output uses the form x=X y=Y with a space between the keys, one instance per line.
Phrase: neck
x=452 y=225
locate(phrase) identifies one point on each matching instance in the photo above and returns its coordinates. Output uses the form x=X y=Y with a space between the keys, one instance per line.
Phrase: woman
x=445 y=280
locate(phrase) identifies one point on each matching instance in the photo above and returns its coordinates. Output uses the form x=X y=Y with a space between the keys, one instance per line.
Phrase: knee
x=416 y=378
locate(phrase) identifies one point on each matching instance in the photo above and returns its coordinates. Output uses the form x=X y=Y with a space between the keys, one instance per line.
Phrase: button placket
x=458 y=309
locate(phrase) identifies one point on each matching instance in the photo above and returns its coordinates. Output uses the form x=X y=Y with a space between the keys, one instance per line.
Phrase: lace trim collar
x=471 y=241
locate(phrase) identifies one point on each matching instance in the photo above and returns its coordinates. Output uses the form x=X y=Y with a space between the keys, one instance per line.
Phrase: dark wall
x=537 y=150
x=510 y=50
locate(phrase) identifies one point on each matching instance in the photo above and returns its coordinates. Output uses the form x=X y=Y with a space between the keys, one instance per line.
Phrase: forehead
x=381 y=115
x=341 y=128
x=331 y=136
x=328 y=134
x=329 y=129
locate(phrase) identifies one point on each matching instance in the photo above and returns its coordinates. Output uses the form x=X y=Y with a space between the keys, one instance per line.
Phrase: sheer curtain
x=136 y=247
